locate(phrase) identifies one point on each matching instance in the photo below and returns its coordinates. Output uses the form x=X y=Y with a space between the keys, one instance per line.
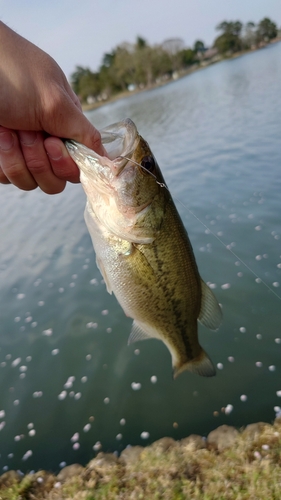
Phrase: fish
x=142 y=247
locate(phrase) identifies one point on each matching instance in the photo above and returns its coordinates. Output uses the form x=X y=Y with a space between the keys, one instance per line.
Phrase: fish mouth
x=119 y=140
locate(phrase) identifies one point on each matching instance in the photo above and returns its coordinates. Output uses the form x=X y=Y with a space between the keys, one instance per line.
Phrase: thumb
x=69 y=122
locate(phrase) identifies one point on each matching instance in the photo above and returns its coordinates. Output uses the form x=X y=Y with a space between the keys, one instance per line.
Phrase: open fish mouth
x=119 y=139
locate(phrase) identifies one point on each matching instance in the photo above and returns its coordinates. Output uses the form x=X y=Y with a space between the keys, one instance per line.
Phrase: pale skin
x=37 y=108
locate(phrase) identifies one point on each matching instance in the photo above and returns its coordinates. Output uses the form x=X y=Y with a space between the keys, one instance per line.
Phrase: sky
x=80 y=32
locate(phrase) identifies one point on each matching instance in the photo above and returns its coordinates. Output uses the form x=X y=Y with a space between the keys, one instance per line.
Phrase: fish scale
x=143 y=250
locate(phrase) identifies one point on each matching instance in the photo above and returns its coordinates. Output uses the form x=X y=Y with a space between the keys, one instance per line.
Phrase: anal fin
x=138 y=333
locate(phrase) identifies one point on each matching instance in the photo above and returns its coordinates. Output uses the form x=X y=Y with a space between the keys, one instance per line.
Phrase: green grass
x=249 y=470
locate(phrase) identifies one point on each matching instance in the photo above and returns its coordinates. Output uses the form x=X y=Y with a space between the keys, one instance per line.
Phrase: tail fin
x=202 y=365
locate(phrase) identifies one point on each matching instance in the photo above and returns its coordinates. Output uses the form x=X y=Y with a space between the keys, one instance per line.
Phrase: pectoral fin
x=210 y=313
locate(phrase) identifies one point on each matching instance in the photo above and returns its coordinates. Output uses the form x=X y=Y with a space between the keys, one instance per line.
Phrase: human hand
x=37 y=106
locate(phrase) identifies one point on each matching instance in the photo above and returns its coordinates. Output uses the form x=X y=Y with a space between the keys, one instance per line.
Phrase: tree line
x=139 y=65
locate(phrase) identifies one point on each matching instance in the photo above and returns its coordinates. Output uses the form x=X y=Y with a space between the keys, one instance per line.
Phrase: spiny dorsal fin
x=138 y=333
x=210 y=313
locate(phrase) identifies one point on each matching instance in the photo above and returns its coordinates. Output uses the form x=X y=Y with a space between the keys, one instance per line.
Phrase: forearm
x=21 y=80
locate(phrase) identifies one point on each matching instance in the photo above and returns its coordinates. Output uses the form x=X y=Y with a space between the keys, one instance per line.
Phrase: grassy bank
x=227 y=465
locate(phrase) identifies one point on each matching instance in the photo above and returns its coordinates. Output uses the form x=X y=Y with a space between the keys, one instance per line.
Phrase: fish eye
x=148 y=163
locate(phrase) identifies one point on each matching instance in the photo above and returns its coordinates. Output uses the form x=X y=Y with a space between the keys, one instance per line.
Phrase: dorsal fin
x=210 y=312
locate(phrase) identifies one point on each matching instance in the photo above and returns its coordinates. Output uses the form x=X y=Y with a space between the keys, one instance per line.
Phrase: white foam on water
x=144 y=435
x=16 y=362
x=228 y=409
x=75 y=437
x=27 y=455
x=136 y=386
x=62 y=395
x=48 y=332
x=226 y=286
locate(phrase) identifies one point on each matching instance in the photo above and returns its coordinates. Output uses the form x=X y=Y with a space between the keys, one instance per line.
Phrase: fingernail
x=27 y=137
x=6 y=140
x=53 y=150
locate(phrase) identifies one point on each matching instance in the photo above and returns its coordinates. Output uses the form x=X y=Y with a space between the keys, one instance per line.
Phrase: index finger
x=62 y=164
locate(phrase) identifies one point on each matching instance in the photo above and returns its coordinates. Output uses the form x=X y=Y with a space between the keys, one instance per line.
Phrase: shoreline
x=228 y=464
x=181 y=74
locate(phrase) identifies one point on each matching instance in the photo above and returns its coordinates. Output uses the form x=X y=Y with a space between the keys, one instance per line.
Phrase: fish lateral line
x=163 y=185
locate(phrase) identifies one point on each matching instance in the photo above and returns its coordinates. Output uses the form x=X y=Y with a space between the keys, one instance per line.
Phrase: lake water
x=69 y=384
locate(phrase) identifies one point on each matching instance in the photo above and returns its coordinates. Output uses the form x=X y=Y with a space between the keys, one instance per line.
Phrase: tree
x=199 y=46
x=266 y=30
x=233 y=28
x=172 y=48
x=76 y=77
x=187 y=57
x=151 y=63
x=141 y=43
x=250 y=36
x=108 y=59
x=85 y=83
x=230 y=40
x=124 y=66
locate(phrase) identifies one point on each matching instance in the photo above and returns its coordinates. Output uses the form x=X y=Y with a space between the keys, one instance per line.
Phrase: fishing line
x=229 y=249
x=163 y=185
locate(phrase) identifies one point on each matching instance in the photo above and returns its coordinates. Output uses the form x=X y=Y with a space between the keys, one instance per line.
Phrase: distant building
x=210 y=53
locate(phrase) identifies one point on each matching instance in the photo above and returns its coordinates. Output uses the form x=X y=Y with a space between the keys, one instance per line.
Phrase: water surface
x=69 y=384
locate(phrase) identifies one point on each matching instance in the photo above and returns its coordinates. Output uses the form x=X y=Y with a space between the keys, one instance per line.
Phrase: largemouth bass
x=142 y=248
